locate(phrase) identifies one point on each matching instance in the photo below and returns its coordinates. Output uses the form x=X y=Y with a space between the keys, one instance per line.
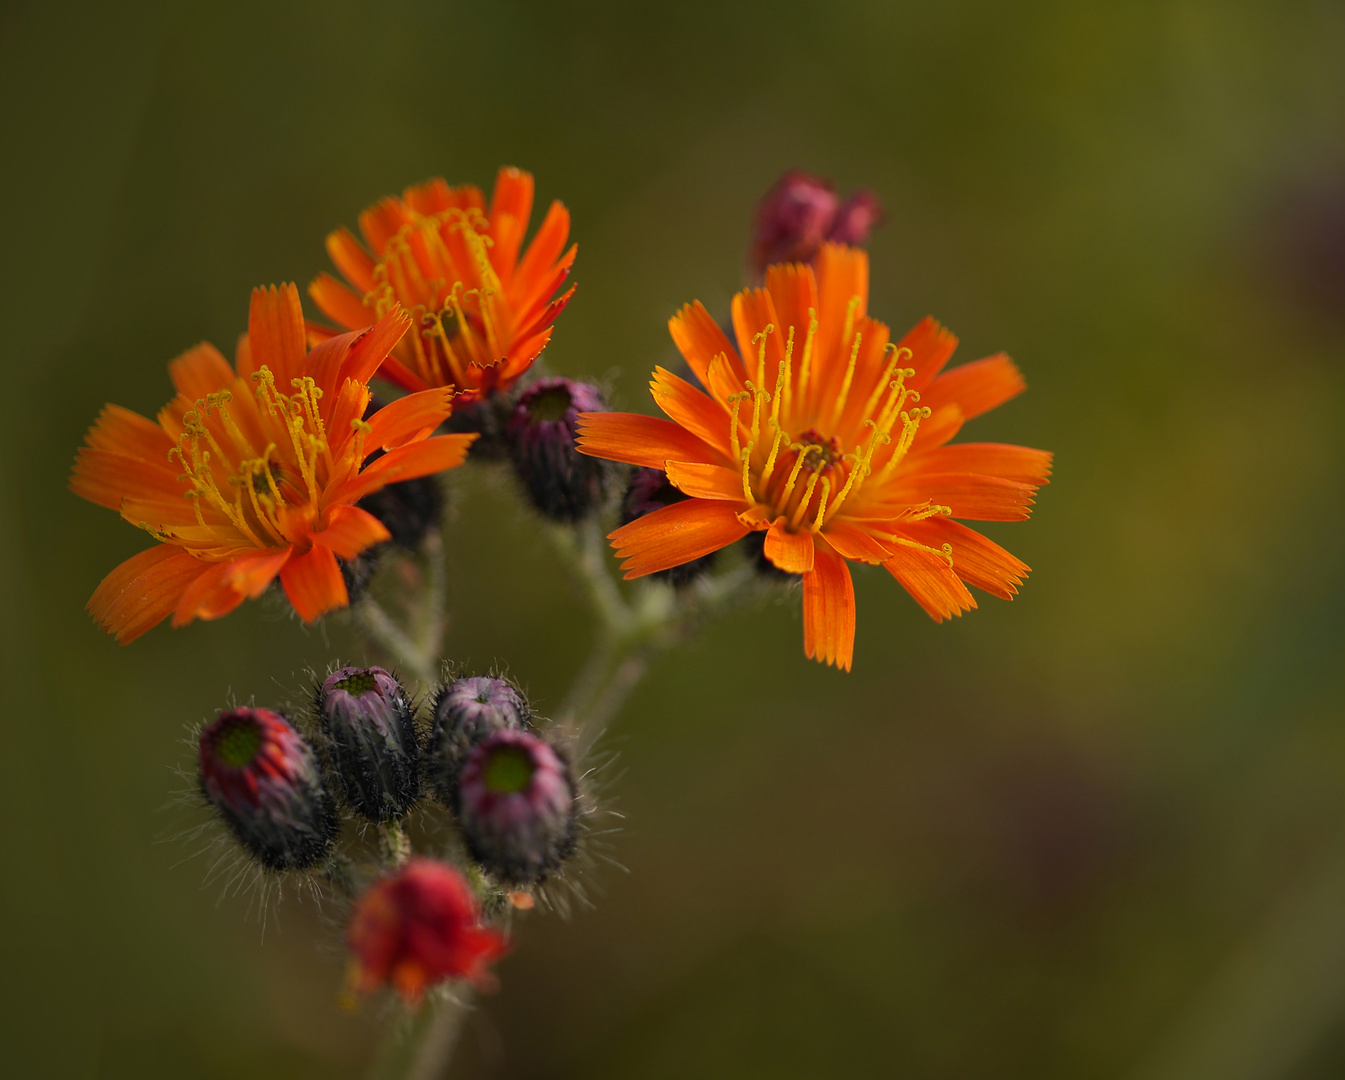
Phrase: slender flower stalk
x=252 y=472
x=833 y=440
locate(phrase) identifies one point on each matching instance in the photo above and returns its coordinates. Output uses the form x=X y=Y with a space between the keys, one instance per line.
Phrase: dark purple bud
x=562 y=483
x=650 y=490
x=858 y=216
x=366 y=716
x=516 y=807
x=801 y=212
x=466 y=711
x=263 y=778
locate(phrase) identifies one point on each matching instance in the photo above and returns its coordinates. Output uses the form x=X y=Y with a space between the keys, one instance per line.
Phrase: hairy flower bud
x=263 y=779
x=562 y=483
x=801 y=212
x=650 y=490
x=466 y=711
x=417 y=927
x=366 y=716
x=516 y=807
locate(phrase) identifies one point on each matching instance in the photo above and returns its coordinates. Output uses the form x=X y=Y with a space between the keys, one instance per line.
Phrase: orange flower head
x=253 y=471
x=822 y=433
x=484 y=306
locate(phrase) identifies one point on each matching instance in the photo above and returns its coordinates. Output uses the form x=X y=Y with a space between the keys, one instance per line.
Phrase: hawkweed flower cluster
x=807 y=439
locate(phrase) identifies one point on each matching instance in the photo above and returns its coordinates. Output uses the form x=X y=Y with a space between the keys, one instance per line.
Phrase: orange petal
x=108 y=478
x=977 y=387
x=930 y=580
x=650 y=441
x=675 y=535
x=753 y=311
x=225 y=585
x=829 y=610
x=381 y=222
x=793 y=289
x=854 y=542
x=314 y=584
x=931 y=346
x=706 y=481
x=791 y=552
x=409 y=418
x=276 y=336
x=143 y=591
x=350 y=531
x=432 y=455
x=1020 y=463
x=349 y=256
x=339 y=303
x=842 y=274
x=510 y=209
x=538 y=275
x=699 y=339
x=976 y=560
x=199 y=371
x=373 y=347
x=125 y=432
x=693 y=409
x=969 y=495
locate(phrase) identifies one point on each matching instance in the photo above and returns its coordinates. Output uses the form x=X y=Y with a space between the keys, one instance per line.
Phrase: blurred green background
x=1098 y=832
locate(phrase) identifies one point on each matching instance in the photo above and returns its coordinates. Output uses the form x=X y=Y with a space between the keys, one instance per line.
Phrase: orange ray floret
x=820 y=431
x=252 y=471
x=482 y=305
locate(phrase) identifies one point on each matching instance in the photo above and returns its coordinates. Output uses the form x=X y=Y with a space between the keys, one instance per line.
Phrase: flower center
x=806 y=479
x=508 y=771
x=358 y=683
x=227 y=474
x=438 y=268
x=237 y=744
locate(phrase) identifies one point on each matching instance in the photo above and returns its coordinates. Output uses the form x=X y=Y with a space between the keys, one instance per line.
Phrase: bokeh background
x=1097 y=832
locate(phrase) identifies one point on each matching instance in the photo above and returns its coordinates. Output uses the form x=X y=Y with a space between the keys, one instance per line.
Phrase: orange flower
x=241 y=481
x=485 y=312
x=816 y=439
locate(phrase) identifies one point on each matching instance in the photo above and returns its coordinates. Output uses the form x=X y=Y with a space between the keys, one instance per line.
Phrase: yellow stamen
x=782 y=380
x=760 y=339
x=806 y=365
x=821 y=504
x=797 y=516
x=838 y=410
x=770 y=460
x=895 y=353
x=747 y=473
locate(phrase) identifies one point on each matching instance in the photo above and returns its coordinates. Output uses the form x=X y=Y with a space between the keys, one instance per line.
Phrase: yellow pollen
x=782 y=380
x=895 y=353
x=910 y=424
x=733 y=402
x=747 y=470
x=945 y=552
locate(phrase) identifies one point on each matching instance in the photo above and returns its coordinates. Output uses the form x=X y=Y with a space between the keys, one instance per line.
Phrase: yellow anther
x=782 y=387
x=945 y=552
x=896 y=353
x=747 y=473
x=733 y=401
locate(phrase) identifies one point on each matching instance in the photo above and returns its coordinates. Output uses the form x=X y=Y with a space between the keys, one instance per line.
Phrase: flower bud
x=801 y=212
x=417 y=927
x=263 y=778
x=650 y=490
x=561 y=482
x=366 y=716
x=466 y=711
x=516 y=807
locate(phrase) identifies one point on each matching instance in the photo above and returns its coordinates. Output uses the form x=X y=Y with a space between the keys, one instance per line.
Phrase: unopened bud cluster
x=512 y=793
